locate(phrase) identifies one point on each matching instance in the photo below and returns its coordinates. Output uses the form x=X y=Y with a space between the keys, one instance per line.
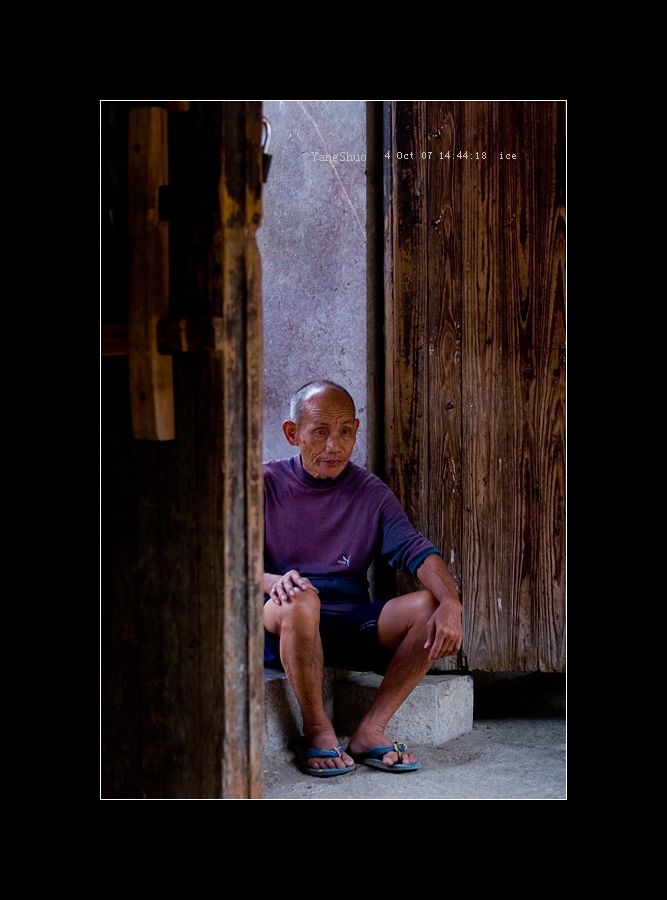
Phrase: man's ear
x=289 y=430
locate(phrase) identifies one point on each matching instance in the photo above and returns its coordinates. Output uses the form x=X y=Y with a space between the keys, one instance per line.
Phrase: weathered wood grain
x=514 y=327
x=240 y=193
x=406 y=372
x=183 y=713
x=477 y=451
x=254 y=390
x=443 y=327
x=151 y=378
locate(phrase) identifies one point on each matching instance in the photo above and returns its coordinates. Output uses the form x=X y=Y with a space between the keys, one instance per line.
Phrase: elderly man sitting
x=326 y=520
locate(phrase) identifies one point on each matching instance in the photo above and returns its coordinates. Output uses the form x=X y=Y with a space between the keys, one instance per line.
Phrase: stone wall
x=312 y=242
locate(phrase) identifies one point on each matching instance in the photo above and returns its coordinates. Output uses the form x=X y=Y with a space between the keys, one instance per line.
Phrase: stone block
x=438 y=710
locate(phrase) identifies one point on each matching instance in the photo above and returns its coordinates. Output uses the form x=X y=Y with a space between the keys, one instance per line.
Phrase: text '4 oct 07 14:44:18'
x=449 y=154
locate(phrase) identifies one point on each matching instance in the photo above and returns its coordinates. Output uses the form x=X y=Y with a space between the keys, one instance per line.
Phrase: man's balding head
x=299 y=399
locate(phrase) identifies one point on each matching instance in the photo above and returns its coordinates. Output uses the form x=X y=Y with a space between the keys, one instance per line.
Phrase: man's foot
x=326 y=741
x=360 y=744
x=377 y=755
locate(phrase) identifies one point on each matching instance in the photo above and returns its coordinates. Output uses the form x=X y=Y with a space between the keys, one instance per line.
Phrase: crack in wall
x=324 y=144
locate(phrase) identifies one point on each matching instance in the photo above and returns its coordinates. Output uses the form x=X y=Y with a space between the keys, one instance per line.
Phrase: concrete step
x=438 y=710
x=282 y=716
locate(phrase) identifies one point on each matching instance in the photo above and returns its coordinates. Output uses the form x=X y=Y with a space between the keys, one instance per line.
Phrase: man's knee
x=402 y=614
x=302 y=610
x=307 y=602
x=424 y=604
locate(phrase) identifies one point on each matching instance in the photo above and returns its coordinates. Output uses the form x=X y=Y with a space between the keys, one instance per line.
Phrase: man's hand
x=444 y=630
x=281 y=588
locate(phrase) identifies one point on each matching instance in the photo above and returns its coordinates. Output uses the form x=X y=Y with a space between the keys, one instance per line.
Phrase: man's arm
x=445 y=630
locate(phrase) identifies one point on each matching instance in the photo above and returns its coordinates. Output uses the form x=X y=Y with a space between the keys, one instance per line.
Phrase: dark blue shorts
x=349 y=637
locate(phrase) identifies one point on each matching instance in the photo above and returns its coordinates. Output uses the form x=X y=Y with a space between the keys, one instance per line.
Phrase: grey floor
x=516 y=751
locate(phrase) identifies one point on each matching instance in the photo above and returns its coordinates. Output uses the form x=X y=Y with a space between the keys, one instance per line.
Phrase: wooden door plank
x=514 y=414
x=542 y=234
x=475 y=284
x=151 y=377
x=406 y=373
x=487 y=425
x=443 y=213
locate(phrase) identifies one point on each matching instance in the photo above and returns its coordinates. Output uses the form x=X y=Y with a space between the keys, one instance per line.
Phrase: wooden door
x=475 y=361
x=181 y=393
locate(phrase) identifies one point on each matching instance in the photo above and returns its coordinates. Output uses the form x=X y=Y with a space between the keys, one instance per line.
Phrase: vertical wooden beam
x=151 y=378
x=253 y=444
x=243 y=531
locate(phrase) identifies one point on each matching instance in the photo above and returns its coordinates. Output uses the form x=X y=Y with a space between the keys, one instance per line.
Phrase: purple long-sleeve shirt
x=337 y=526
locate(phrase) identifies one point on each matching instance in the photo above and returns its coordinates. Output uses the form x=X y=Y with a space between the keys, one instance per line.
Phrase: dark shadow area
x=539 y=695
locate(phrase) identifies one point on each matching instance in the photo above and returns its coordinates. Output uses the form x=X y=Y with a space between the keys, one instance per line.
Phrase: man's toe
x=342 y=761
x=391 y=758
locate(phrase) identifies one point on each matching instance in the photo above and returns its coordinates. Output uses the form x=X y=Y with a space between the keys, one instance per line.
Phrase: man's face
x=326 y=434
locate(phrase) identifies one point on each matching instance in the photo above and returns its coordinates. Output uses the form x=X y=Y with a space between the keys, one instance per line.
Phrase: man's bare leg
x=297 y=623
x=401 y=626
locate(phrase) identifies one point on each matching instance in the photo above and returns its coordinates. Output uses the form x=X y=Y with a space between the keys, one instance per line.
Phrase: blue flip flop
x=304 y=752
x=374 y=758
